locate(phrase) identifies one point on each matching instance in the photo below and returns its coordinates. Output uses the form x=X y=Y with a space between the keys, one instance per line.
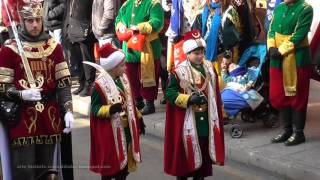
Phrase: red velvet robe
x=37 y=127
x=175 y=161
x=103 y=150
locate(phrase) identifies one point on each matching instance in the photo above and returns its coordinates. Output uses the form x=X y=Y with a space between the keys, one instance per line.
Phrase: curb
x=251 y=156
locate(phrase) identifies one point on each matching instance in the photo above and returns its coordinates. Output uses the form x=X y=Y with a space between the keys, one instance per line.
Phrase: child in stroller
x=238 y=93
x=242 y=91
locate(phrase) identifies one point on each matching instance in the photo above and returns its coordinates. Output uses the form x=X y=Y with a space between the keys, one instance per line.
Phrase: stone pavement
x=254 y=147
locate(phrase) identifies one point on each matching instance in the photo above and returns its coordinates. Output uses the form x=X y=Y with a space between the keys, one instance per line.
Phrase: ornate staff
x=39 y=106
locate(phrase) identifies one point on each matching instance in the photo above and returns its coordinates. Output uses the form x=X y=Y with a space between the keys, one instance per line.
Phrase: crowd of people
x=118 y=51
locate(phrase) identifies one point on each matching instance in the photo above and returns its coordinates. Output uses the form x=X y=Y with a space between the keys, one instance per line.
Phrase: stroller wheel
x=246 y=117
x=271 y=121
x=235 y=131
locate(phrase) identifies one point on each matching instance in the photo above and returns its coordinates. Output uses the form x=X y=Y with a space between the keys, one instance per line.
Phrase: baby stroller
x=258 y=107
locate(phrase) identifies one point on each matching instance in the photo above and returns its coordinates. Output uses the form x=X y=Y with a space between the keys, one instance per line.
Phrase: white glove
x=68 y=119
x=31 y=94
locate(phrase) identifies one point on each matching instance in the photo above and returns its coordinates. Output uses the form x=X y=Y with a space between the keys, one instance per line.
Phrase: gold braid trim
x=52 y=44
x=41 y=139
x=6 y=71
x=6 y=75
x=132 y=164
x=6 y=79
x=62 y=73
x=61 y=66
x=104 y=111
x=182 y=100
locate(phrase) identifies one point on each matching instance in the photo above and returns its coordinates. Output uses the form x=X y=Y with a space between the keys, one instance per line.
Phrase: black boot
x=86 y=91
x=163 y=100
x=139 y=103
x=285 y=115
x=52 y=177
x=299 y=120
x=148 y=109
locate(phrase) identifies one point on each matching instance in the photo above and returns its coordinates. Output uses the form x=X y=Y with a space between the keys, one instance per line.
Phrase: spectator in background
x=53 y=17
x=104 y=13
x=79 y=32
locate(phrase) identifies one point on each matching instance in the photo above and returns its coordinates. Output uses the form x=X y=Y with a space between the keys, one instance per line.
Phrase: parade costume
x=143 y=67
x=194 y=132
x=45 y=105
x=237 y=32
x=290 y=67
x=115 y=146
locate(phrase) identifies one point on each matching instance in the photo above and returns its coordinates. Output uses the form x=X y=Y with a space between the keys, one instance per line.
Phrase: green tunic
x=292 y=20
x=173 y=91
x=147 y=11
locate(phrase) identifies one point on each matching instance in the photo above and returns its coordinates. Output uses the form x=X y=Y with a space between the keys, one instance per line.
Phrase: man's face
x=196 y=56
x=33 y=26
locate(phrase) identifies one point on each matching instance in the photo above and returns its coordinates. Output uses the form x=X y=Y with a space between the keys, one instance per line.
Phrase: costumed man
x=146 y=18
x=290 y=67
x=194 y=137
x=115 y=122
x=38 y=80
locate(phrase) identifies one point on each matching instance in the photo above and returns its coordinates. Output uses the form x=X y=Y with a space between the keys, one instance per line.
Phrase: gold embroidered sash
x=289 y=67
x=147 y=62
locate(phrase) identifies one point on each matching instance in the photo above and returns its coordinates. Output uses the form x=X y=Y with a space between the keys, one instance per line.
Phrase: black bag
x=9 y=112
x=78 y=30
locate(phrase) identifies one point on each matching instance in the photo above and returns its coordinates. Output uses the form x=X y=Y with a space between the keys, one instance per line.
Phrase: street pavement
x=253 y=149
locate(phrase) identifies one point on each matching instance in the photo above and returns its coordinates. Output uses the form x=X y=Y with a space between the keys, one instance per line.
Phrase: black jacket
x=53 y=14
x=78 y=20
